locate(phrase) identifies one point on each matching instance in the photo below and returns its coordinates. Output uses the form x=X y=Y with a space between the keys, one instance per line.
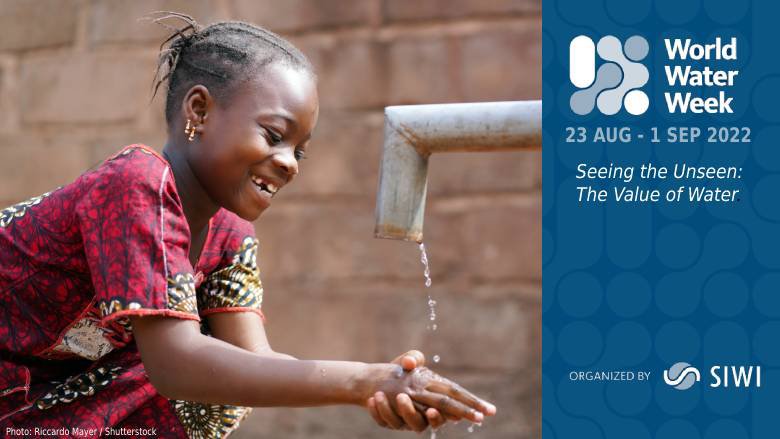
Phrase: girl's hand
x=410 y=416
x=429 y=389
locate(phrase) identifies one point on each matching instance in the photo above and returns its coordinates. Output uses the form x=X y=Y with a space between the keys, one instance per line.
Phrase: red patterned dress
x=75 y=263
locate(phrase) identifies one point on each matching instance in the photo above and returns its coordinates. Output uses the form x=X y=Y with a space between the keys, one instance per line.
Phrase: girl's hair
x=218 y=56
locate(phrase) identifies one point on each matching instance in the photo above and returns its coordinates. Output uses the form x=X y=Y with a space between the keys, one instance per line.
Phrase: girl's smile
x=264 y=186
x=265 y=190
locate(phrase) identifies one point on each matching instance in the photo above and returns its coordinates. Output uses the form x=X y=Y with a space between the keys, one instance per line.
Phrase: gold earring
x=190 y=130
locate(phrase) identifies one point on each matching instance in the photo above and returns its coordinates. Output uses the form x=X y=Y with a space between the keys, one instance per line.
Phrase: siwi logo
x=616 y=83
x=683 y=376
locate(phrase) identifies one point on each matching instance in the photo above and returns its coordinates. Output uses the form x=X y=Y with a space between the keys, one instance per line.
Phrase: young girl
x=130 y=298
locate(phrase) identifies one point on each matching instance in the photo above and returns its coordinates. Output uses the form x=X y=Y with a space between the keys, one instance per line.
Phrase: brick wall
x=74 y=82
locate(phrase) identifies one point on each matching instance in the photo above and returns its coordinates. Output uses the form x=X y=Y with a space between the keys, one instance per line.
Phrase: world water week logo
x=617 y=82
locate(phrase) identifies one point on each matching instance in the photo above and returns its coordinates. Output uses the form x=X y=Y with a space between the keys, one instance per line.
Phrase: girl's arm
x=184 y=364
x=245 y=330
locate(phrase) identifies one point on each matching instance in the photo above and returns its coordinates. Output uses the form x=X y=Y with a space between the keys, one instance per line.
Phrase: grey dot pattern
x=709 y=298
x=636 y=48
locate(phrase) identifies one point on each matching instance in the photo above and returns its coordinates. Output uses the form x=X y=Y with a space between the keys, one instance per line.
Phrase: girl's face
x=248 y=147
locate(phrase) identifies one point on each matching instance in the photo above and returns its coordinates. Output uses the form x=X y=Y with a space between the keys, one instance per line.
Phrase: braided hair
x=218 y=56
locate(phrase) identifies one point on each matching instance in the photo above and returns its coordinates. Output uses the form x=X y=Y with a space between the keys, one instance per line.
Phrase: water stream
x=431 y=303
x=432 y=317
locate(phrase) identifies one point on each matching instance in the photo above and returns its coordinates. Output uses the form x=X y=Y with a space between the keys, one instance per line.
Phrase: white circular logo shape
x=636 y=102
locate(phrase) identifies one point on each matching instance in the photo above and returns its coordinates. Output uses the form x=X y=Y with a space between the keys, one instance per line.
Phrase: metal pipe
x=414 y=132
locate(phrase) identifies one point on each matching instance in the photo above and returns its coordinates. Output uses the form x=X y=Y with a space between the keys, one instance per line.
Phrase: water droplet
x=424 y=261
x=471 y=428
x=433 y=316
x=434 y=326
x=436 y=358
x=431 y=302
x=322 y=371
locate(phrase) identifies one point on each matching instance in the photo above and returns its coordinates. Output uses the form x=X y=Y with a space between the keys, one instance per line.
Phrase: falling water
x=431 y=304
x=427 y=274
x=432 y=317
x=424 y=260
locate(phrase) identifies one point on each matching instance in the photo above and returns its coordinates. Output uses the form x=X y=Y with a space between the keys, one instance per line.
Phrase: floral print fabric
x=75 y=263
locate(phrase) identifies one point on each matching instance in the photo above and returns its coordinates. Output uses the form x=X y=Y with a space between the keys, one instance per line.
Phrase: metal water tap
x=414 y=132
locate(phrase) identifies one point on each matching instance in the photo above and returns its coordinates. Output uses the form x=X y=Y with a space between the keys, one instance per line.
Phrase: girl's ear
x=196 y=104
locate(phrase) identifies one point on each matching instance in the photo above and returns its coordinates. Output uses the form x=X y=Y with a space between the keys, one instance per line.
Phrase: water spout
x=414 y=132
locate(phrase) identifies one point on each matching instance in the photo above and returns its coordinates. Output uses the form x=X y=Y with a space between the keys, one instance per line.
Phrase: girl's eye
x=275 y=138
x=299 y=154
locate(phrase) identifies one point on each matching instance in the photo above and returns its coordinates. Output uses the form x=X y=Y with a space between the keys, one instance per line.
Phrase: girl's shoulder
x=143 y=150
x=229 y=236
x=135 y=171
x=136 y=162
x=227 y=222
